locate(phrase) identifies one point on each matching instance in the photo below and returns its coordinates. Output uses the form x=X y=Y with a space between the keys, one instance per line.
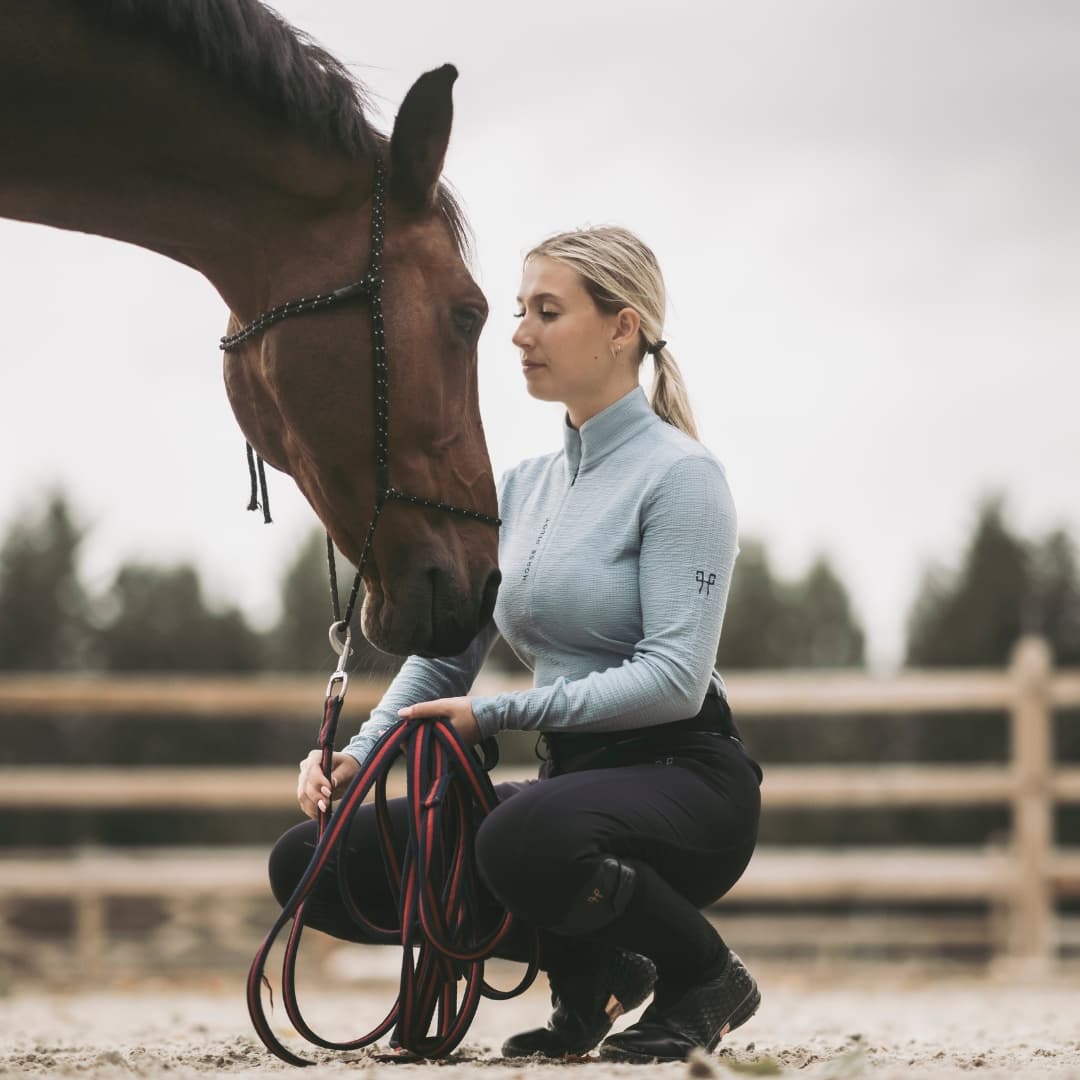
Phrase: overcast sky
x=867 y=213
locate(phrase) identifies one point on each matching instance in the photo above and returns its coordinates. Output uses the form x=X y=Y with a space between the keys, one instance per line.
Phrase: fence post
x=89 y=934
x=1032 y=924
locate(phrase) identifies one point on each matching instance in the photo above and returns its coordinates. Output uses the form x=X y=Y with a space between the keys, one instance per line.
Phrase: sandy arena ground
x=855 y=1026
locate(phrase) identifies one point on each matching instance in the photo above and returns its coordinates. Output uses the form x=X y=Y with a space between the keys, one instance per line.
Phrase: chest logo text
x=536 y=547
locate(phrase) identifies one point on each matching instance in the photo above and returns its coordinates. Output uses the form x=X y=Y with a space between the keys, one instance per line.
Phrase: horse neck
x=108 y=133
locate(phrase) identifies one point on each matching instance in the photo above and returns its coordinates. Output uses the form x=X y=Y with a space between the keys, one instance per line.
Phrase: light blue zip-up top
x=616 y=555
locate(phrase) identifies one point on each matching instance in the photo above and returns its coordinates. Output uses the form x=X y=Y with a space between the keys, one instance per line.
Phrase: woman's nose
x=521 y=337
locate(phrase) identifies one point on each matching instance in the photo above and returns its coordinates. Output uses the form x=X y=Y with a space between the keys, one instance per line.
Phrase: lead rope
x=433 y=881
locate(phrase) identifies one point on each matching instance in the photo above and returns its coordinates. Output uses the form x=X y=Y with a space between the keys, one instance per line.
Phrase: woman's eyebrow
x=539 y=298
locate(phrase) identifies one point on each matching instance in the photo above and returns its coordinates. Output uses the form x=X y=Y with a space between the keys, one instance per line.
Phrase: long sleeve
x=688 y=545
x=423 y=679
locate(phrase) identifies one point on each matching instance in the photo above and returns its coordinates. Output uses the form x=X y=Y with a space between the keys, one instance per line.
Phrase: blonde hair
x=618 y=271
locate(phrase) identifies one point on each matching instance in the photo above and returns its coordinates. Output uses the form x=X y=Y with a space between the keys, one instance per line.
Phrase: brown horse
x=214 y=133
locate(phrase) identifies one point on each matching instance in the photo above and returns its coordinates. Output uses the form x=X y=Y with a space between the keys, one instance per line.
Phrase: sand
x=861 y=1024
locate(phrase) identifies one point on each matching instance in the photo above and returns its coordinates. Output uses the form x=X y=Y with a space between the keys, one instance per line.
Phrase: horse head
x=302 y=392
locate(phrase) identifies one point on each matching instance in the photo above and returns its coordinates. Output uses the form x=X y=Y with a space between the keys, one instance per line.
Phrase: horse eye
x=468 y=321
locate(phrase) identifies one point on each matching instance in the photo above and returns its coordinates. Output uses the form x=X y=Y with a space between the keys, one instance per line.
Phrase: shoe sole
x=740 y=1014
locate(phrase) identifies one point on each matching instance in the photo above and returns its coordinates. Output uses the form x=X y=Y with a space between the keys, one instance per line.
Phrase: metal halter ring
x=342 y=647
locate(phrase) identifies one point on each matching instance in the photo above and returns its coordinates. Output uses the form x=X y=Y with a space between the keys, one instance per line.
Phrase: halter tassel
x=257 y=475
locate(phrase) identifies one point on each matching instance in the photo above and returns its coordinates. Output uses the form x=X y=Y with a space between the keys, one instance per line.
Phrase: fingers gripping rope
x=434 y=883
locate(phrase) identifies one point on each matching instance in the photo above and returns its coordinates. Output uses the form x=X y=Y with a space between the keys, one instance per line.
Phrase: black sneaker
x=587 y=1003
x=701 y=1017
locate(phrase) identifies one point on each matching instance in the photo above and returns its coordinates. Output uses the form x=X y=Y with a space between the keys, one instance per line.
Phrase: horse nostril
x=491 y=592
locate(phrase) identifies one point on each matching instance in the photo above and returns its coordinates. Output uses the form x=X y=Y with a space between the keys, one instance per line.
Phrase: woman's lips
x=530 y=367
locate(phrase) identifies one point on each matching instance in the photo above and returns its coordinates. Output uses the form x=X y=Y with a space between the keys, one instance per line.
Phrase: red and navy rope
x=432 y=876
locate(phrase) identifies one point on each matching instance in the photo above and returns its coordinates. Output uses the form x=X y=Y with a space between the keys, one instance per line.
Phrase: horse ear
x=421 y=134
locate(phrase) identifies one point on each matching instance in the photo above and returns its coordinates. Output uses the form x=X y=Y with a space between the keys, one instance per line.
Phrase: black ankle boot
x=587 y=1002
x=700 y=1017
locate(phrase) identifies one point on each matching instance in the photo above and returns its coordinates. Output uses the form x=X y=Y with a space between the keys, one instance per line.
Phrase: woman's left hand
x=457 y=709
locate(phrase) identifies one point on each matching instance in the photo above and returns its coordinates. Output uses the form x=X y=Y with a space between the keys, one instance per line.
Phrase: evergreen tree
x=158 y=621
x=973 y=618
x=43 y=608
x=770 y=623
x=755 y=632
x=1055 y=591
x=828 y=634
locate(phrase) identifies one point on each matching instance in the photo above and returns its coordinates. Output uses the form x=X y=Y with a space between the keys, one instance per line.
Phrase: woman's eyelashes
x=547 y=316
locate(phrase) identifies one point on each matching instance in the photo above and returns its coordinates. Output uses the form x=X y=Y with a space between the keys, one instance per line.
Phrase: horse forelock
x=258 y=53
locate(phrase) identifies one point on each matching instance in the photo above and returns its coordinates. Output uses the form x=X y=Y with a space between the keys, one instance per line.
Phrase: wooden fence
x=1022 y=880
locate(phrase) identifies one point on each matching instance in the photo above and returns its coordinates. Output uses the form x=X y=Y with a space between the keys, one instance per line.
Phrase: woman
x=616 y=554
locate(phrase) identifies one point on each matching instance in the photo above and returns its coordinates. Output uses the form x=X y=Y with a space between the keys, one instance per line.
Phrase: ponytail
x=670 y=400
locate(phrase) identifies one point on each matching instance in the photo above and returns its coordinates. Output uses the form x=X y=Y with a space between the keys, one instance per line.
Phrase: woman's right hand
x=313 y=790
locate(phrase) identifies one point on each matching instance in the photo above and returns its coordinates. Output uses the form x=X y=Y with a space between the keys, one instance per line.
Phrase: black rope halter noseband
x=369 y=288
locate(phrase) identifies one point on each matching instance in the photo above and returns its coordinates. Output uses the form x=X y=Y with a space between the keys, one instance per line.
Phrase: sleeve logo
x=705 y=582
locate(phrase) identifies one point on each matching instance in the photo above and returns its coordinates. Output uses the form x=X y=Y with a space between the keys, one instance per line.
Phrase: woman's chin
x=539 y=392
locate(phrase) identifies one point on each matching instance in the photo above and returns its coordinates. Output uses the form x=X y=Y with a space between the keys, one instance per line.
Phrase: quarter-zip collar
x=587 y=446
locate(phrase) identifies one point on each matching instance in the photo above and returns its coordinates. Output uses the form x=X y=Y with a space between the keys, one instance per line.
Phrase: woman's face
x=566 y=342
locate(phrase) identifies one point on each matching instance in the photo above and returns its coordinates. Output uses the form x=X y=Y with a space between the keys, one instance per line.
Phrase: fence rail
x=1023 y=878
x=272 y=787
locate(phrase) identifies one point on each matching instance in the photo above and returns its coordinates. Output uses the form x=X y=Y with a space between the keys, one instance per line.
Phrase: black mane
x=253 y=50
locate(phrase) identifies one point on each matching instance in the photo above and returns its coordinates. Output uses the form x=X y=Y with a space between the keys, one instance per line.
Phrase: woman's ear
x=626 y=329
x=421 y=135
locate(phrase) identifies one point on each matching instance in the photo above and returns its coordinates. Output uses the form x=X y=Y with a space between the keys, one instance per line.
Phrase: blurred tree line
x=153 y=617
x=157 y=618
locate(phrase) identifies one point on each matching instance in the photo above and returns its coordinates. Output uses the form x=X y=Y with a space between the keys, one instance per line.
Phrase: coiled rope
x=433 y=881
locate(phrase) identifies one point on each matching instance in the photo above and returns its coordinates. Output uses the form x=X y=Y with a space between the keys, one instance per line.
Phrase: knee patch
x=603 y=899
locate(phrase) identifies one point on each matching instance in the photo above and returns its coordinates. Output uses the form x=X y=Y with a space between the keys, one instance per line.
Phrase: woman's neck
x=582 y=410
